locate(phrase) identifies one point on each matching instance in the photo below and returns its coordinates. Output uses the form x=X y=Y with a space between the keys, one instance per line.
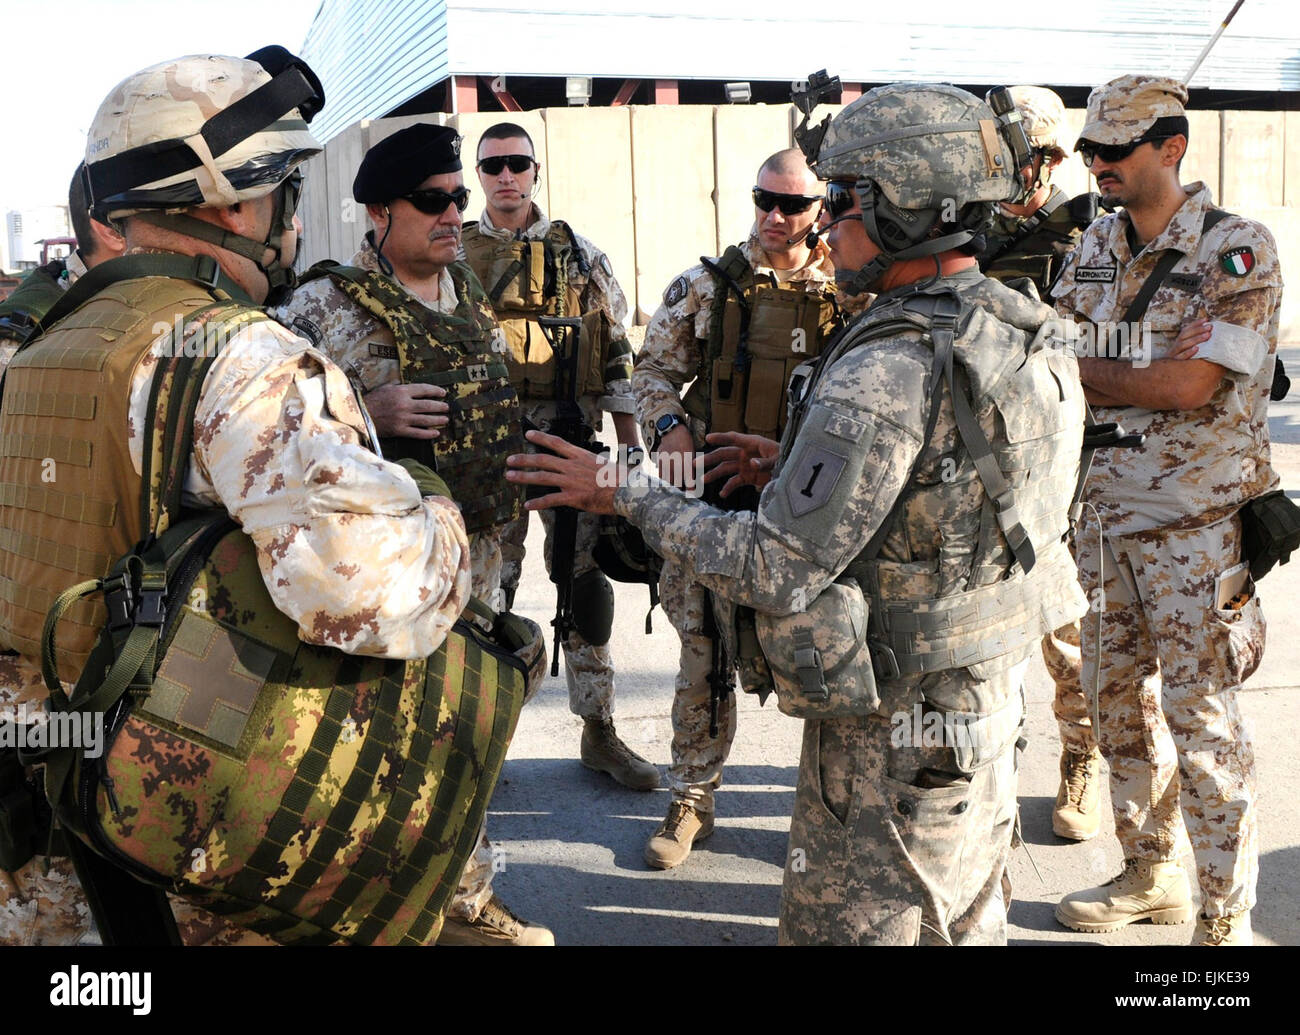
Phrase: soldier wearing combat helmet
x=279 y=441
x=894 y=510
x=1181 y=628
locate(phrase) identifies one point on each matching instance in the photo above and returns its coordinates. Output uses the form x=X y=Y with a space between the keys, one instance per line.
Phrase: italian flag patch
x=1238 y=261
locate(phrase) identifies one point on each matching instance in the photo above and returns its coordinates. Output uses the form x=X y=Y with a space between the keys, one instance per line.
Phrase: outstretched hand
x=741 y=459
x=574 y=472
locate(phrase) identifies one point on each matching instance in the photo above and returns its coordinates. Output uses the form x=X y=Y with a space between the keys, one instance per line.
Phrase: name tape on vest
x=1095 y=274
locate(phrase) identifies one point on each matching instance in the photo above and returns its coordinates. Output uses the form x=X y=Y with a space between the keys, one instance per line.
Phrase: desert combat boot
x=604 y=752
x=1143 y=890
x=1077 y=816
x=681 y=828
x=495 y=925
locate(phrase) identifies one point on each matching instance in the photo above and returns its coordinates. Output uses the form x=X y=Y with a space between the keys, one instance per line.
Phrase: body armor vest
x=302 y=792
x=1036 y=247
x=1019 y=416
x=454 y=351
x=31 y=300
x=758 y=334
x=525 y=279
x=64 y=464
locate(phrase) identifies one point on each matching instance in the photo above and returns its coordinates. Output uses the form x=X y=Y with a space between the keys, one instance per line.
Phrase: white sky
x=61 y=57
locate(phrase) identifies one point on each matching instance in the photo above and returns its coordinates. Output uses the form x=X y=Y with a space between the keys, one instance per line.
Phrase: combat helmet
x=207 y=131
x=1042 y=113
x=928 y=163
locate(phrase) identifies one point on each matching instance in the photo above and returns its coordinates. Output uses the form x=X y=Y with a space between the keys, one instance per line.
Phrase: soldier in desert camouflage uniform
x=416 y=334
x=279 y=442
x=676 y=352
x=1180 y=627
x=1028 y=242
x=577 y=281
x=895 y=840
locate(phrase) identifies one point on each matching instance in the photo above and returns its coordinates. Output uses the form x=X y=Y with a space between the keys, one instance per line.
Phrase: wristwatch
x=663 y=425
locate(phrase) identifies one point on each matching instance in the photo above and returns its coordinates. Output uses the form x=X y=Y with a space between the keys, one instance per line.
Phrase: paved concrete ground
x=573 y=839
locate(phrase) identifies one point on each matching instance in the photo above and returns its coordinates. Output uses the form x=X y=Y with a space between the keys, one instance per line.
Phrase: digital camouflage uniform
x=670 y=358
x=363 y=346
x=889 y=843
x=1163 y=652
x=588 y=669
x=312 y=502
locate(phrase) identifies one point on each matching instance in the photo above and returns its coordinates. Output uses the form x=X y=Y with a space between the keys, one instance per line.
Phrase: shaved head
x=790 y=162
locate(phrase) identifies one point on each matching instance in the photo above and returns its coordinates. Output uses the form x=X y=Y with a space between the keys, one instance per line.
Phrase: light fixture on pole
x=738 y=93
x=577 y=88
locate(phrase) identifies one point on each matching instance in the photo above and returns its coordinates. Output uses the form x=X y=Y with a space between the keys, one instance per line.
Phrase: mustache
x=443 y=233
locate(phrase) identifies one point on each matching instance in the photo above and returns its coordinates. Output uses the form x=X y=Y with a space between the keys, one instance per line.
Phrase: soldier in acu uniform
x=1028 y=242
x=905 y=557
x=279 y=440
x=764 y=307
x=1181 y=627
x=532 y=266
x=414 y=331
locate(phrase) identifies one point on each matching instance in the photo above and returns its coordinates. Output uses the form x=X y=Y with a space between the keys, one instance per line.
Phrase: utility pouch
x=1270 y=530
x=820 y=665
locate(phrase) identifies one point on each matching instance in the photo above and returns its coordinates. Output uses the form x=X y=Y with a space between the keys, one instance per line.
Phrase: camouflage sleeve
x=347 y=546
x=670 y=357
x=845 y=470
x=1241 y=305
x=603 y=292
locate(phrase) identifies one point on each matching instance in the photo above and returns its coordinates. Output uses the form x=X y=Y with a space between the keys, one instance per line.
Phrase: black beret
x=398 y=164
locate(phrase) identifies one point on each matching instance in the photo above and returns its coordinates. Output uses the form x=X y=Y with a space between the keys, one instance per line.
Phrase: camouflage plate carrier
x=456 y=352
x=759 y=333
x=304 y=793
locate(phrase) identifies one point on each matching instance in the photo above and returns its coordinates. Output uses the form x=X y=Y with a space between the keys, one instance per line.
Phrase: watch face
x=663 y=424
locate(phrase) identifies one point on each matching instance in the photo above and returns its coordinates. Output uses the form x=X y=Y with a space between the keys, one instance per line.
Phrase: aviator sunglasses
x=518 y=164
x=789 y=204
x=434 y=202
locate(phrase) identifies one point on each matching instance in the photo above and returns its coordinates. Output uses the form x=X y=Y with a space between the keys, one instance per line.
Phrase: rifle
x=570 y=425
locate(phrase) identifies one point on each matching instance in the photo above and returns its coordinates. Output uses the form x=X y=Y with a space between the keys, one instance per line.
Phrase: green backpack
x=303 y=793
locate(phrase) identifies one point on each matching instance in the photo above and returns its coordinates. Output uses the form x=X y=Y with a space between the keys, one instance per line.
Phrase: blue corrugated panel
x=372 y=55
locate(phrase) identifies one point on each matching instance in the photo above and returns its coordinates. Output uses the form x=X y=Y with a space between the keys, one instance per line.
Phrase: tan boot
x=1143 y=890
x=605 y=753
x=1077 y=816
x=1233 y=929
x=681 y=828
x=495 y=925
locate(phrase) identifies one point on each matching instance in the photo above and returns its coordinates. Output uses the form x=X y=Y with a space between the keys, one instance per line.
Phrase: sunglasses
x=840 y=197
x=518 y=164
x=1112 y=153
x=434 y=202
x=789 y=204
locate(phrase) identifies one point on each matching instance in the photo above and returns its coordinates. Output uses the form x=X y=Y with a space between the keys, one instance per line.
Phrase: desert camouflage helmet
x=922 y=144
x=202 y=130
x=1043 y=115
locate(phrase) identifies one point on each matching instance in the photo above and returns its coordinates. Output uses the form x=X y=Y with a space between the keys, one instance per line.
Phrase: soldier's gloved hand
x=426 y=481
x=741 y=459
x=408 y=411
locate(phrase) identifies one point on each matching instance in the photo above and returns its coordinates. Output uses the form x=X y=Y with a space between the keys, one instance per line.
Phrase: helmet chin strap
x=280 y=278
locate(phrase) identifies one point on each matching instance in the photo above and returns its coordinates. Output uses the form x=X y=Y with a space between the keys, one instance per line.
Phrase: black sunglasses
x=789 y=204
x=1112 y=153
x=434 y=202
x=518 y=163
x=840 y=197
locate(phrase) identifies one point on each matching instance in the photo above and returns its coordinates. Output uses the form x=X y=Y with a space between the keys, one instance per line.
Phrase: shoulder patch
x=305 y=328
x=810 y=485
x=1094 y=274
x=676 y=291
x=604 y=265
x=1238 y=261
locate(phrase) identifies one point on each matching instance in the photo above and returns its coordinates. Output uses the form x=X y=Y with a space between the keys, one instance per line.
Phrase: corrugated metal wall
x=372 y=55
